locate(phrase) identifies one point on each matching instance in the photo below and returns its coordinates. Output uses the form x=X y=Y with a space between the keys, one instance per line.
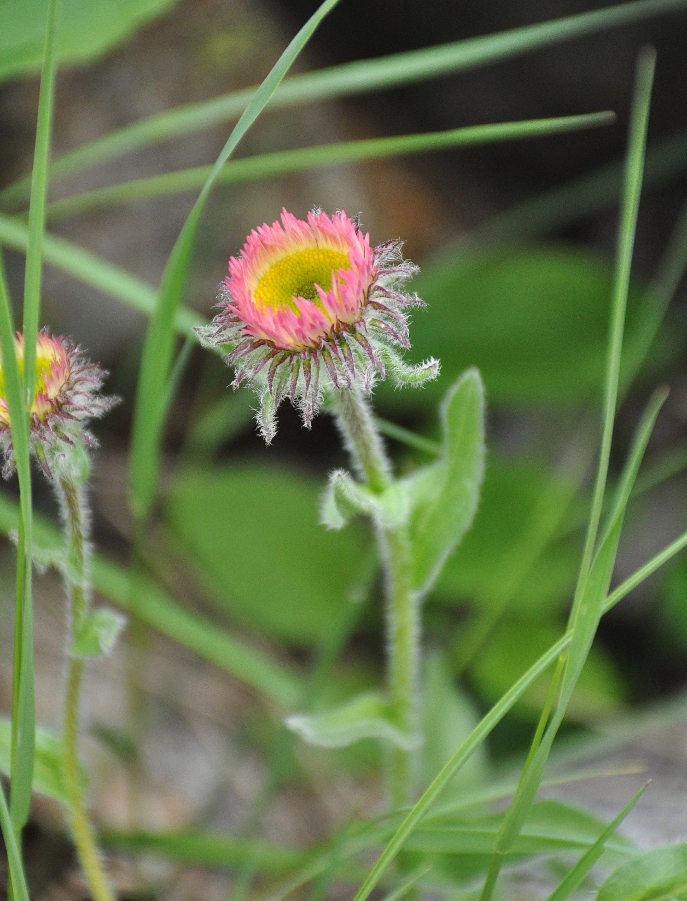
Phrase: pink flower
x=66 y=394
x=309 y=306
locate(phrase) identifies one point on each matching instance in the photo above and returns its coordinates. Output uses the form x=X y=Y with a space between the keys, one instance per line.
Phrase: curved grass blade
x=283 y=162
x=149 y=411
x=351 y=78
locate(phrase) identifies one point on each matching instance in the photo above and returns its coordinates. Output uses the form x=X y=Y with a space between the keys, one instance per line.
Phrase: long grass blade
x=23 y=700
x=351 y=78
x=39 y=189
x=270 y=165
x=628 y=224
x=149 y=409
x=596 y=568
x=22 y=740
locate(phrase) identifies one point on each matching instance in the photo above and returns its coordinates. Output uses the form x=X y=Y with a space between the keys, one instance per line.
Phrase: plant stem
x=71 y=495
x=364 y=443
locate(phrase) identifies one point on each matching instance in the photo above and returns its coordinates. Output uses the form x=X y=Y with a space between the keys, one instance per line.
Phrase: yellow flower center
x=45 y=383
x=296 y=276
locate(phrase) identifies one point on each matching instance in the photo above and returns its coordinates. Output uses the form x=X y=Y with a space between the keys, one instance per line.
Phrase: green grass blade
x=351 y=78
x=23 y=701
x=39 y=188
x=574 y=877
x=628 y=224
x=288 y=161
x=595 y=575
x=584 y=622
x=23 y=705
x=16 y=870
x=596 y=568
x=149 y=408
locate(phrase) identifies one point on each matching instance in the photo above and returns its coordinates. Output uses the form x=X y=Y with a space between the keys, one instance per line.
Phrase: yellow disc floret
x=296 y=276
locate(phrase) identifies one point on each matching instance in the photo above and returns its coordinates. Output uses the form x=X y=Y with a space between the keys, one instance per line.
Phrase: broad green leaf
x=512 y=555
x=87 y=28
x=533 y=319
x=48 y=775
x=251 y=534
x=444 y=494
x=98 y=633
x=658 y=875
x=366 y=716
x=514 y=645
x=551 y=826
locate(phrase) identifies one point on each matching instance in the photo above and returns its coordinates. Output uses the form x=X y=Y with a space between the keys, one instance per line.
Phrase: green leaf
x=658 y=875
x=97 y=634
x=366 y=716
x=86 y=30
x=444 y=494
x=533 y=319
x=48 y=774
x=252 y=536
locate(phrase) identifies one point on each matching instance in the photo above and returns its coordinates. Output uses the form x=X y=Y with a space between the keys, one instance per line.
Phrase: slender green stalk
x=71 y=495
x=365 y=445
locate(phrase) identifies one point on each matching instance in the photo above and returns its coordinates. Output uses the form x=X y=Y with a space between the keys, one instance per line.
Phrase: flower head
x=66 y=394
x=309 y=305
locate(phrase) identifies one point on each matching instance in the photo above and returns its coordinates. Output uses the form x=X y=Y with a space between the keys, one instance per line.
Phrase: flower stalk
x=71 y=495
x=366 y=447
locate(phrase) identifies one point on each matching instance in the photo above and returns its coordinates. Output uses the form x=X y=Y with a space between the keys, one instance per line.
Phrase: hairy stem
x=71 y=497
x=365 y=445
